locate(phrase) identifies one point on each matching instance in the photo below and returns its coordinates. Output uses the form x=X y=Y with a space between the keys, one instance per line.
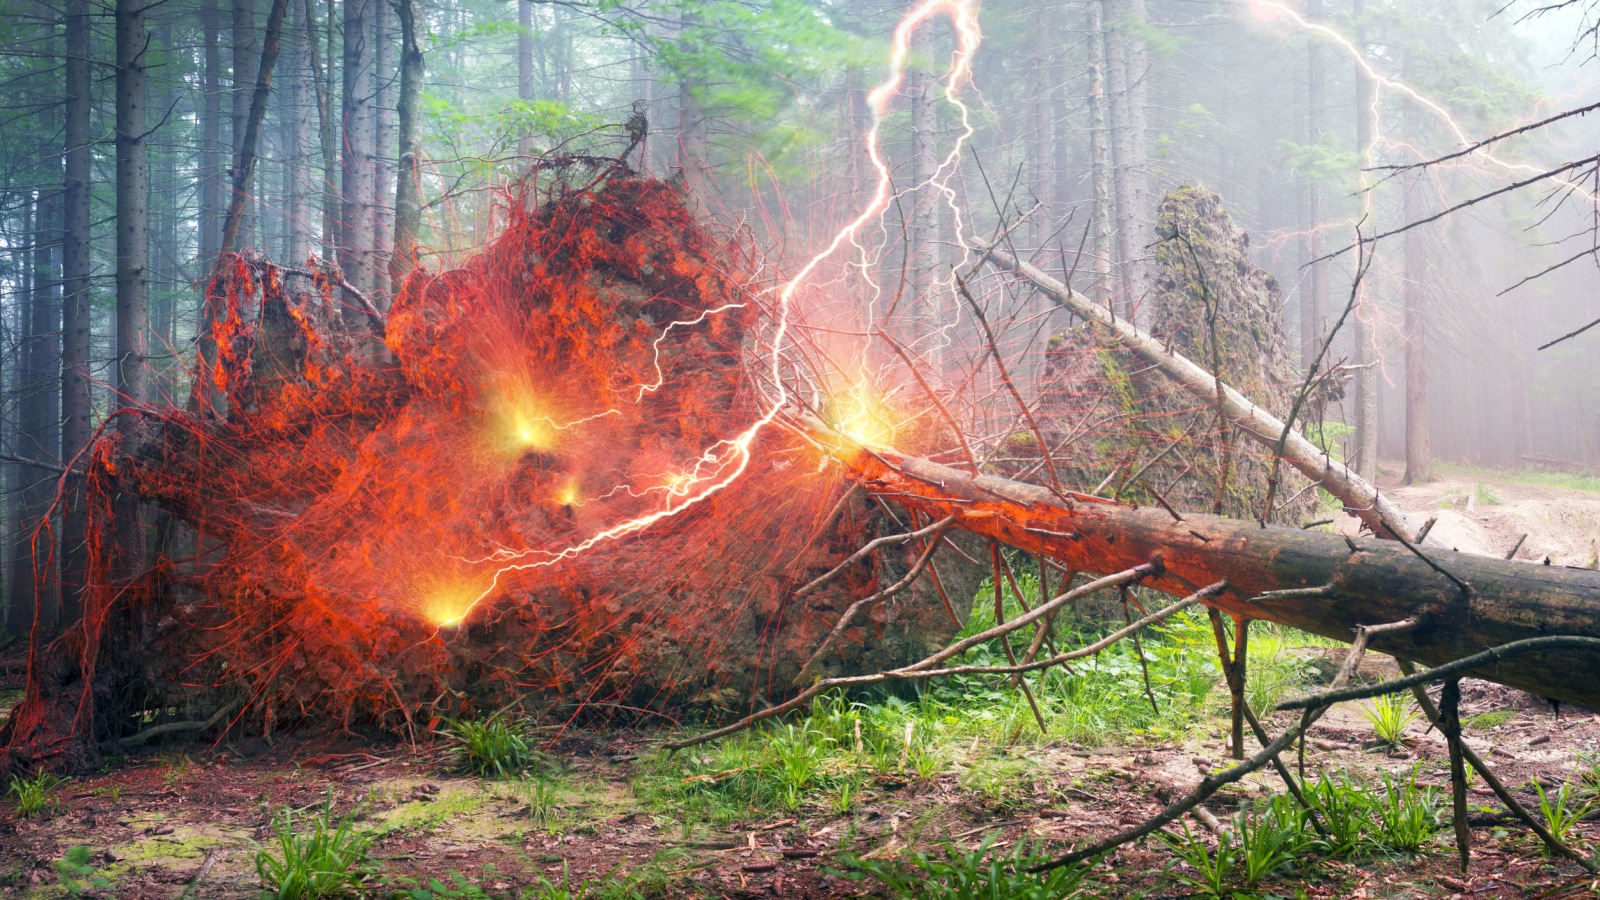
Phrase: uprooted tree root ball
x=382 y=520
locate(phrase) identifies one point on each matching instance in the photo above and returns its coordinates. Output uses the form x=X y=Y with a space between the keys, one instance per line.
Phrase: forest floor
x=884 y=797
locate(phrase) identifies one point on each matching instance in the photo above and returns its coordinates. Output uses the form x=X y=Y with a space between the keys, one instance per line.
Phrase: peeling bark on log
x=1367 y=581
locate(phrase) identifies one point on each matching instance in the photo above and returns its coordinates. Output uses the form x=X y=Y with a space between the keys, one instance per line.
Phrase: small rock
x=163 y=829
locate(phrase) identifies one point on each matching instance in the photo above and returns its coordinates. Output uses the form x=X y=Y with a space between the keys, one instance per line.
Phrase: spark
x=724 y=462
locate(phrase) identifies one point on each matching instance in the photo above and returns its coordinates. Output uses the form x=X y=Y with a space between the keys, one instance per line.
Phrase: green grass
x=953 y=873
x=35 y=795
x=326 y=859
x=1389 y=714
x=492 y=748
x=1562 y=480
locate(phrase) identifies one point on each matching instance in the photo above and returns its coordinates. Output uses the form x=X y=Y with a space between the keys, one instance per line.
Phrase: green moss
x=167 y=847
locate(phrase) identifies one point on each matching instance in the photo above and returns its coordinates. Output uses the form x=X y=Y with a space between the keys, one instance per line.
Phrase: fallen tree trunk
x=1364 y=501
x=1322 y=583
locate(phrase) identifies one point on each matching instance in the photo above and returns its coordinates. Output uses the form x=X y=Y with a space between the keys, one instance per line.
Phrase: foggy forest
x=551 y=449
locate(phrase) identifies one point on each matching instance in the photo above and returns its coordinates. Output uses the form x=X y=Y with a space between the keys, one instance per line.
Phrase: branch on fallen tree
x=1358 y=496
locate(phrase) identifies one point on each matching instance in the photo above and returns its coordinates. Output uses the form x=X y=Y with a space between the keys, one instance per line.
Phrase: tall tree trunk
x=1419 y=450
x=1136 y=56
x=32 y=578
x=245 y=55
x=297 y=141
x=524 y=70
x=1040 y=138
x=327 y=139
x=213 y=153
x=356 y=182
x=383 y=85
x=245 y=163
x=1316 y=307
x=922 y=86
x=1100 y=170
x=1119 y=138
x=693 y=143
x=1364 y=334
x=75 y=269
x=133 y=253
x=407 y=200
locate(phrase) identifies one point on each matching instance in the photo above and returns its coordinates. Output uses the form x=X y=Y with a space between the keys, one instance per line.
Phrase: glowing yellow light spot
x=567 y=494
x=676 y=481
x=447 y=605
x=860 y=414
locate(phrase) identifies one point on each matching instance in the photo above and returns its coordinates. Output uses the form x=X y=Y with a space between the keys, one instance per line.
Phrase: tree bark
x=1337 y=584
x=1358 y=495
x=524 y=69
x=407 y=193
x=327 y=140
x=383 y=144
x=298 y=142
x=356 y=181
x=244 y=164
x=33 y=581
x=213 y=153
x=76 y=408
x=1419 y=449
x=921 y=86
x=1099 y=159
x=133 y=254
x=244 y=79
x=1314 y=309
x=1366 y=388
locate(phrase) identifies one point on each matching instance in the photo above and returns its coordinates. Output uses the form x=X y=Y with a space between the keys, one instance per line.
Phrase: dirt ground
x=1479 y=513
x=187 y=821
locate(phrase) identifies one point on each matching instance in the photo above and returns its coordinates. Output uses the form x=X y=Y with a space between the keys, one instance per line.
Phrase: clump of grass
x=1389 y=714
x=1407 y=813
x=1561 y=811
x=327 y=860
x=980 y=874
x=35 y=795
x=1261 y=842
x=1486 y=495
x=492 y=747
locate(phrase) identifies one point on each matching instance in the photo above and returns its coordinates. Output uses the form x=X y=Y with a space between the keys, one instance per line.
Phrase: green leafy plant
x=1271 y=839
x=957 y=874
x=78 y=874
x=492 y=747
x=35 y=795
x=1407 y=813
x=1213 y=869
x=544 y=802
x=328 y=860
x=1389 y=714
x=1346 y=808
x=1561 y=811
x=1487 y=495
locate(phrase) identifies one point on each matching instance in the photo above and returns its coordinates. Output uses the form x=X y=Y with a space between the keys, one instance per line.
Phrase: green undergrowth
x=1160 y=689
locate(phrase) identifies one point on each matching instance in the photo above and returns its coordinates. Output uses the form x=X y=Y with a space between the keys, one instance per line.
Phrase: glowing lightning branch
x=723 y=463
